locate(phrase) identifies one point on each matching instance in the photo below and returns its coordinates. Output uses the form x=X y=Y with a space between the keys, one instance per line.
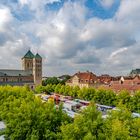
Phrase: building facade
x=83 y=79
x=88 y=79
x=135 y=72
x=31 y=73
x=128 y=83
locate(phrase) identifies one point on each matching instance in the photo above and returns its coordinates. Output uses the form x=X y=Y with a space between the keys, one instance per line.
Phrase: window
x=3 y=79
x=19 y=79
x=6 y=79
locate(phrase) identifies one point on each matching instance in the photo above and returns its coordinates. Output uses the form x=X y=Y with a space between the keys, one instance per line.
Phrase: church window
x=19 y=79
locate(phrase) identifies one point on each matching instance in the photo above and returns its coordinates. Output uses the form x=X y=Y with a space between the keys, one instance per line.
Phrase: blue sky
x=95 y=7
x=71 y=35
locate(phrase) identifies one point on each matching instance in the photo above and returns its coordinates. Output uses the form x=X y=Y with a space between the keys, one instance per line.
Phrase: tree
x=105 y=97
x=123 y=97
x=40 y=89
x=88 y=125
x=135 y=102
x=120 y=125
x=65 y=78
x=135 y=128
x=51 y=80
x=27 y=118
x=57 y=88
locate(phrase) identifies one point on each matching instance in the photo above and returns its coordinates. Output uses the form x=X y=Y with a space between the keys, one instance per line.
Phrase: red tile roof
x=130 y=84
x=84 y=77
x=105 y=79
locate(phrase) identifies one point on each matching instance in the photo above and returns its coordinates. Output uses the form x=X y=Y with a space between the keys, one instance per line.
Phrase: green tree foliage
x=135 y=102
x=41 y=89
x=100 y=96
x=57 y=88
x=65 y=78
x=106 y=97
x=27 y=118
x=55 y=80
x=51 y=80
x=135 y=128
x=89 y=125
x=45 y=89
x=86 y=126
x=120 y=125
x=124 y=97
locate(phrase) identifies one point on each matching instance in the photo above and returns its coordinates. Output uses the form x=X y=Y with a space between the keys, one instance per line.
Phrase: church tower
x=33 y=63
x=37 y=69
x=27 y=61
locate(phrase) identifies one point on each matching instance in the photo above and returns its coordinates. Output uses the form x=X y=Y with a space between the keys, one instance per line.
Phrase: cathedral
x=31 y=73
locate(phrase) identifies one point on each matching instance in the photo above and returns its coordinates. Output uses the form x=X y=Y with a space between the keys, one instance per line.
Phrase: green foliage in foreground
x=28 y=118
x=100 y=96
x=88 y=125
x=119 y=125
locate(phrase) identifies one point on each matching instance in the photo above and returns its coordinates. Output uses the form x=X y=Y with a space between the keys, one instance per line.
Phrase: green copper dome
x=29 y=55
x=38 y=56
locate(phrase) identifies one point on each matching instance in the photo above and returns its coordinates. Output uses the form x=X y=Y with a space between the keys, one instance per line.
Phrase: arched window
x=28 y=65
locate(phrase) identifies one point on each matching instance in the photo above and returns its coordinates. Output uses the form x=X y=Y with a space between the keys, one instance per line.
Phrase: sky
x=101 y=36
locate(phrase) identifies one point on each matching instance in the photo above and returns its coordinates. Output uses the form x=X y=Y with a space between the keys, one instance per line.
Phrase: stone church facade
x=31 y=73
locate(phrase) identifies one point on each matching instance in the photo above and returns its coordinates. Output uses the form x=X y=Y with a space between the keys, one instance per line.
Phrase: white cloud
x=36 y=4
x=23 y=2
x=66 y=37
x=69 y=42
x=107 y=3
x=117 y=52
x=5 y=17
x=129 y=10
